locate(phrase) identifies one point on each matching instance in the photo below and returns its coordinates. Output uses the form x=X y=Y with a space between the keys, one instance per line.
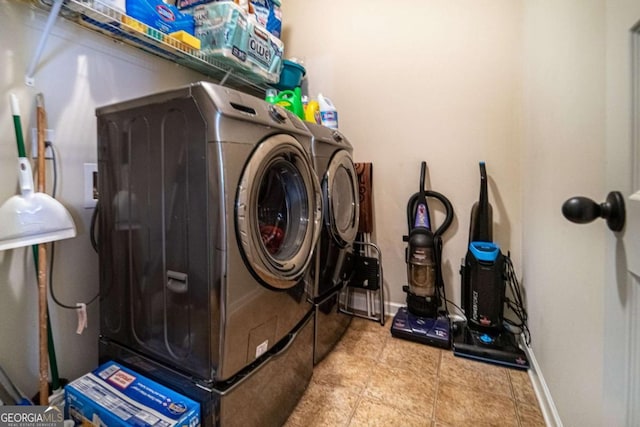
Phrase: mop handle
x=41 y=126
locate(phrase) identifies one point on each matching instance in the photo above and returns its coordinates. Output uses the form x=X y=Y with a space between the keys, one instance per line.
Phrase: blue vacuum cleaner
x=487 y=335
x=425 y=318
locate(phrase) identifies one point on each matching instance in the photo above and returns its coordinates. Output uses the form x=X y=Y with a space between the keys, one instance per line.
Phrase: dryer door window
x=278 y=212
x=341 y=191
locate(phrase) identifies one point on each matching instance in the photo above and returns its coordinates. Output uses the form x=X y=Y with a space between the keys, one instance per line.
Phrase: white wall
x=79 y=71
x=435 y=81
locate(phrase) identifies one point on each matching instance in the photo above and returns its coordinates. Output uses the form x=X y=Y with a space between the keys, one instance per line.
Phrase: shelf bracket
x=224 y=79
x=55 y=10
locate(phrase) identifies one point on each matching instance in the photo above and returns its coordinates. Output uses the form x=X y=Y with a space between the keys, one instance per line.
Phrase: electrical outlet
x=49 y=134
x=90 y=185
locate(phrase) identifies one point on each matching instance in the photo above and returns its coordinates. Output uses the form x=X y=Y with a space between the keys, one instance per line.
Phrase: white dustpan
x=31 y=217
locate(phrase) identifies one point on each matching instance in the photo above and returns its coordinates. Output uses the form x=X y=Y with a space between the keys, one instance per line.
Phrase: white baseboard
x=391 y=308
x=548 y=408
x=359 y=302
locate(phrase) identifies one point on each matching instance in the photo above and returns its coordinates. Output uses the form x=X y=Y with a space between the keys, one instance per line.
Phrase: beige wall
x=435 y=81
x=518 y=84
x=563 y=156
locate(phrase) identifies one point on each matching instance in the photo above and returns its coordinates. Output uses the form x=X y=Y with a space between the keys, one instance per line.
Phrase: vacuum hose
x=423 y=263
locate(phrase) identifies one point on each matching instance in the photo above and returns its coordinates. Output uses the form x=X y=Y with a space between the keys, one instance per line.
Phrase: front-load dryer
x=210 y=211
x=332 y=158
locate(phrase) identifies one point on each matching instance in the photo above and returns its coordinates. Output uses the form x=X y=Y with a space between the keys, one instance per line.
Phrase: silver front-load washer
x=210 y=211
x=332 y=267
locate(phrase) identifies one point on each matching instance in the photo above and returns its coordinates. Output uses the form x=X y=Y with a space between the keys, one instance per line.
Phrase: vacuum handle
x=483 y=180
x=423 y=172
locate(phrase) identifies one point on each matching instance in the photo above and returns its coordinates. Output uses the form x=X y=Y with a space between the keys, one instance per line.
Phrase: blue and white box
x=115 y=396
x=160 y=15
x=269 y=15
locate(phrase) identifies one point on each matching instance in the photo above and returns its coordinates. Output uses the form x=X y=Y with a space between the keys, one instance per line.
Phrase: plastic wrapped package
x=223 y=32
x=230 y=35
x=264 y=52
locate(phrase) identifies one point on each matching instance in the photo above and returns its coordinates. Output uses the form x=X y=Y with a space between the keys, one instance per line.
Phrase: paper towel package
x=230 y=35
x=223 y=32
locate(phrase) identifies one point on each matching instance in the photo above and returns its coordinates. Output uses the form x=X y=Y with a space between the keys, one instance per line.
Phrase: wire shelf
x=100 y=17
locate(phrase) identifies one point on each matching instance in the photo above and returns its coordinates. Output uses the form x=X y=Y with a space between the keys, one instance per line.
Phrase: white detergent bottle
x=328 y=113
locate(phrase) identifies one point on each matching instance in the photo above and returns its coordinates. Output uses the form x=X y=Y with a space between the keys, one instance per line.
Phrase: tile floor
x=374 y=379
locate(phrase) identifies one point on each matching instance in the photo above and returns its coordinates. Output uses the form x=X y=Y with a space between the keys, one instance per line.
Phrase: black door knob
x=582 y=210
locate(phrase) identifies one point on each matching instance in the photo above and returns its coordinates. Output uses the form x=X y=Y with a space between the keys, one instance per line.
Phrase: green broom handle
x=17 y=125
x=15 y=112
x=19 y=138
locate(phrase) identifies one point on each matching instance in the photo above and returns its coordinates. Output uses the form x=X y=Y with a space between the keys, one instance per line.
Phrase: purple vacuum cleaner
x=425 y=318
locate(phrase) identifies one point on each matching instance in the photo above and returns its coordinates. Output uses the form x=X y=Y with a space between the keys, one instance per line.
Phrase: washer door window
x=278 y=212
x=341 y=191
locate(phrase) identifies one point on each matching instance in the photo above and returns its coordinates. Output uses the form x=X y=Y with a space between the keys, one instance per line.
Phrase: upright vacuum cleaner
x=487 y=335
x=425 y=318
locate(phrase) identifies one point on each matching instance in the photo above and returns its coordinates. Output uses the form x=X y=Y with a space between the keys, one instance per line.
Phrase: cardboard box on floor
x=115 y=396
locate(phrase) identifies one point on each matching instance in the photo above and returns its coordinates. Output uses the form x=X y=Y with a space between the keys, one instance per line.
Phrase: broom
x=34 y=218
